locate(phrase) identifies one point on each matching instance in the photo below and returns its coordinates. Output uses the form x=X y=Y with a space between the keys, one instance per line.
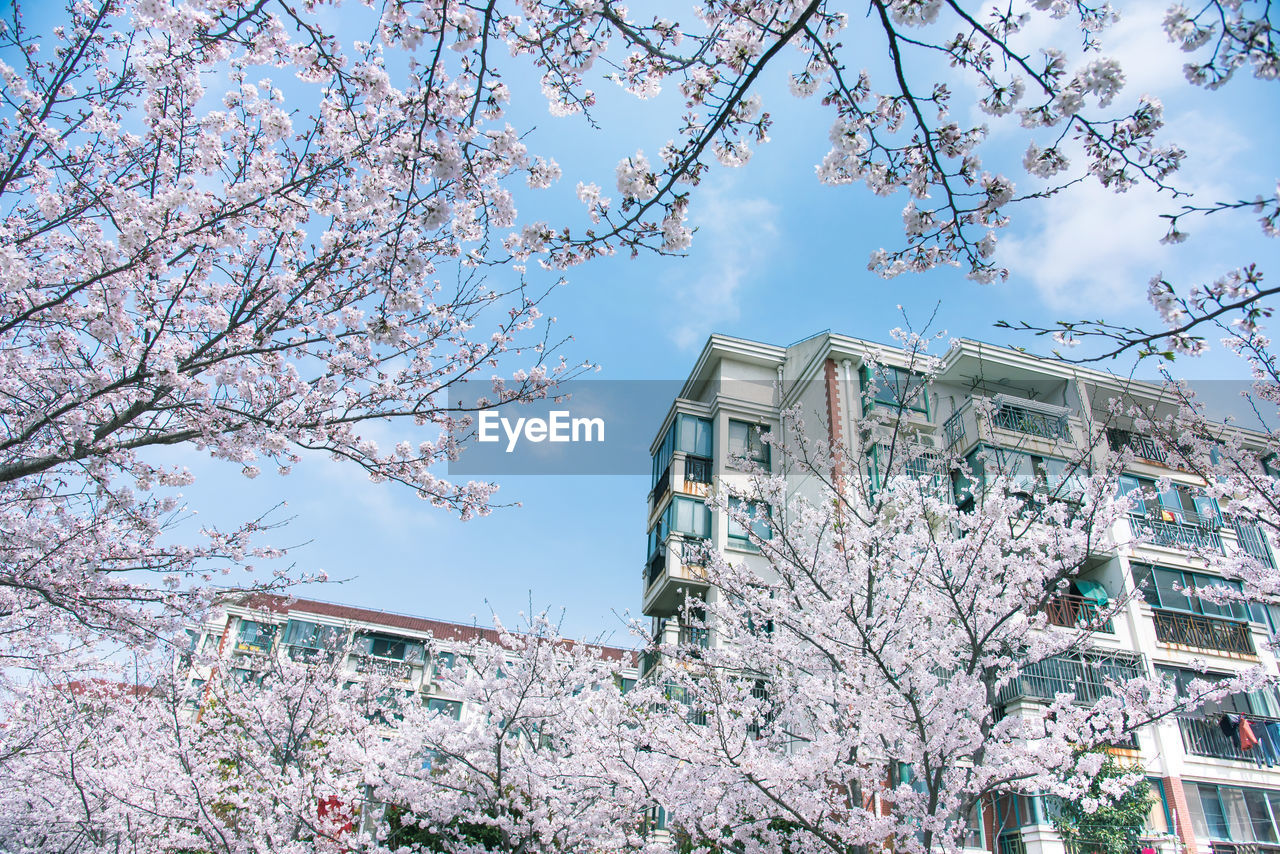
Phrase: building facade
x=1035 y=415
x=243 y=635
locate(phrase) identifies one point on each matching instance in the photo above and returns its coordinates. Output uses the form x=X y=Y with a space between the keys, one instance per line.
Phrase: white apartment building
x=245 y=633
x=1213 y=797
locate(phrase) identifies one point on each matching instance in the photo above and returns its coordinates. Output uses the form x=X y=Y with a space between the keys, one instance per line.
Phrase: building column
x=1181 y=814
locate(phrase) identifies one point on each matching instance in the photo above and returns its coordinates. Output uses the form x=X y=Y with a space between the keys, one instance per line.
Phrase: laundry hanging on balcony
x=1248 y=741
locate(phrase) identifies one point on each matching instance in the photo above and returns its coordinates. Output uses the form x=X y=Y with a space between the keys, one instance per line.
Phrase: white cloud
x=735 y=238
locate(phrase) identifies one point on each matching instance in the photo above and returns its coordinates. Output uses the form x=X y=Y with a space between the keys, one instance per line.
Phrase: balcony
x=1143 y=447
x=1073 y=611
x=693 y=637
x=1201 y=736
x=1185 y=530
x=1084 y=676
x=697 y=470
x=1030 y=418
x=1007 y=421
x=673 y=571
x=1197 y=630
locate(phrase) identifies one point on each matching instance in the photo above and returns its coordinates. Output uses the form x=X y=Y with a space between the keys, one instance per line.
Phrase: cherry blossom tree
x=277 y=753
x=228 y=229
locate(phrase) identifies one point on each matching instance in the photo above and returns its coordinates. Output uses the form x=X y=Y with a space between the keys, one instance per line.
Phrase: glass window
x=1260 y=819
x=973 y=829
x=309 y=635
x=256 y=636
x=759 y=526
x=746 y=441
x=449 y=708
x=689 y=516
x=1238 y=823
x=662 y=457
x=1157 y=823
x=1199 y=823
x=693 y=435
x=1167 y=583
x=894 y=387
x=1145 y=583
x=391 y=647
x=445 y=661
x=1214 y=816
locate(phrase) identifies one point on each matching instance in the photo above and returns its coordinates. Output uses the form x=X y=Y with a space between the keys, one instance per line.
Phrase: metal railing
x=1193 y=532
x=1201 y=736
x=690 y=636
x=1243 y=848
x=1076 y=612
x=1197 y=630
x=953 y=428
x=1254 y=542
x=697 y=469
x=1010 y=842
x=1084 y=677
x=1144 y=447
x=1019 y=419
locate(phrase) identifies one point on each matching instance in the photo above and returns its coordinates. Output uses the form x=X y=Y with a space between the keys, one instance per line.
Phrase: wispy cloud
x=736 y=237
x=1089 y=250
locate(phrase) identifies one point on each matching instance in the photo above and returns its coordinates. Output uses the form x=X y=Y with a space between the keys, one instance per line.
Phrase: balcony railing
x=1075 y=612
x=1085 y=677
x=697 y=469
x=1032 y=422
x=690 y=636
x=1243 y=848
x=1190 y=532
x=1203 y=632
x=1010 y=842
x=1254 y=543
x=1144 y=447
x=1201 y=736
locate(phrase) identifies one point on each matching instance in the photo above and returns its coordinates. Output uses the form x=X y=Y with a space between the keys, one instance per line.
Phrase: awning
x=1092 y=590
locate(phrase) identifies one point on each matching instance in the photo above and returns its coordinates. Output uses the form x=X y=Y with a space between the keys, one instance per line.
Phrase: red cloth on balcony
x=1248 y=740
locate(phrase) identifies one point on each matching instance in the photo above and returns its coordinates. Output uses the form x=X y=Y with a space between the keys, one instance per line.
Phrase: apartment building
x=244 y=635
x=1033 y=414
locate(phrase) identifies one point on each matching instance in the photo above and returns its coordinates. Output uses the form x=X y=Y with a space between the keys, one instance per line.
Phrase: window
x=895 y=388
x=688 y=516
x=445 y=661
x=1264 y=702
x=256 y=636
x=1179 y=504
x=759 y=526
x=688 y=434
x=1157 y=823
x=974 y=833
x=625 y=684
x=390 y=647
x=747 y=442
x=1233 y=813
x=448 y=708
x=1027 y=474
x=303 y=637
x=1164 y=588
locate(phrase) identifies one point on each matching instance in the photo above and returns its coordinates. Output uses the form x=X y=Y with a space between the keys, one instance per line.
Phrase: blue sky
x=777 y=257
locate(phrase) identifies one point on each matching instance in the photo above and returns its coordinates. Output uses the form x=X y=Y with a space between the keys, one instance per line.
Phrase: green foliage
x=403 y=833
x=1116 y=826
